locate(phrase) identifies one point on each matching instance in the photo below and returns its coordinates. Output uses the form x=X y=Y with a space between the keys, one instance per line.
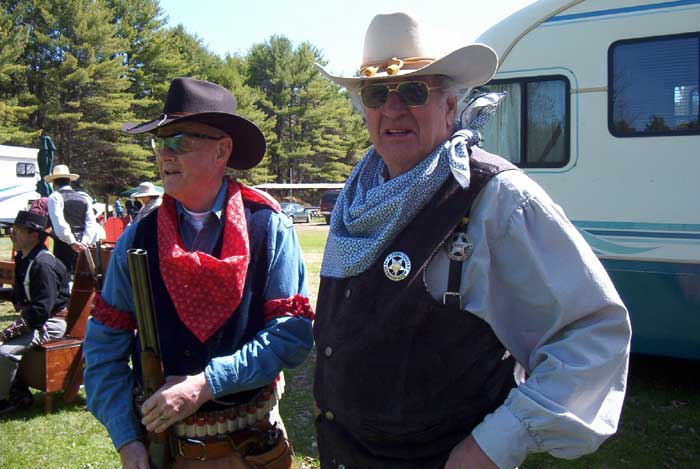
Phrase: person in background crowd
x=72 y=217
x=131 y=208
x=119 y=208
x=444 y=266
x=149 y=197
x=41 y=295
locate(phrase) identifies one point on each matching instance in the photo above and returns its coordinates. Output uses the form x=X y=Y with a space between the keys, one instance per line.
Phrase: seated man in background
x=41 y=295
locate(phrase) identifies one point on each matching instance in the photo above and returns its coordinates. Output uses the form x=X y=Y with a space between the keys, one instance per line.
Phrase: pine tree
x=249 y=103
x=318 y=133
x=76 y=72
x=16 y=103
x=152 y=61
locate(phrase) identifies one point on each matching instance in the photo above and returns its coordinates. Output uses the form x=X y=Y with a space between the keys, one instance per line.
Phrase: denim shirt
x=283 y=342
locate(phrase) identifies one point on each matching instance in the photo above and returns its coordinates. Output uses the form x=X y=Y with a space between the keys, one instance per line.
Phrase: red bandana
x=205 y=290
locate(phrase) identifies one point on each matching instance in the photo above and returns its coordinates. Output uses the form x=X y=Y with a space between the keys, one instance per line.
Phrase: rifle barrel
x=151 y=366
x=140 y=282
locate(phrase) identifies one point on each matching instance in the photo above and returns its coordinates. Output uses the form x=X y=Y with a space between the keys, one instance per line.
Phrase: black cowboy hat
x=191 y=100
x=30 y=220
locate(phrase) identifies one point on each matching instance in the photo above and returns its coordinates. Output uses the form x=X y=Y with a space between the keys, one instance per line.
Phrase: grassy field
x=660 y=425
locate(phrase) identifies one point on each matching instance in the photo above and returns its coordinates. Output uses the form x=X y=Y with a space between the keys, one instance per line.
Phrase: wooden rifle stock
x=151 y=365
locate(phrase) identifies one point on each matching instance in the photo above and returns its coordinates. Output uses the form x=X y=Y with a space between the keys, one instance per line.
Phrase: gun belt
x=233 y=419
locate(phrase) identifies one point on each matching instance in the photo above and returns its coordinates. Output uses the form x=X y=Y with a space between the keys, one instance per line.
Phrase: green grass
x=660 y=426
x=5 y=248
x=77 y=440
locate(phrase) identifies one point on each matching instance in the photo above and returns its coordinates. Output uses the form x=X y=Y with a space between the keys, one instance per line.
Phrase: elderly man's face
x=404 y=136
x=194 y=176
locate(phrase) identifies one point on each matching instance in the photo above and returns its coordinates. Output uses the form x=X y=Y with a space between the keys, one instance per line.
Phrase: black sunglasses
x=413 y=93
x=179 y=143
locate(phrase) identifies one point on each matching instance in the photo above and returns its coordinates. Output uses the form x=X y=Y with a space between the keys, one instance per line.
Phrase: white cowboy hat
x=394 y=47
x=61 y=171
x=146 y=189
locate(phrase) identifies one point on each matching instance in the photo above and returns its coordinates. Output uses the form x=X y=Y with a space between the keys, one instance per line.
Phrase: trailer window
x=531 y=126
x=25 y=170
x=653 y=86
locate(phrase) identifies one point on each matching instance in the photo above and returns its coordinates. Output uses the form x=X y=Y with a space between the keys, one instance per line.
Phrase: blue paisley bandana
x=370 y=212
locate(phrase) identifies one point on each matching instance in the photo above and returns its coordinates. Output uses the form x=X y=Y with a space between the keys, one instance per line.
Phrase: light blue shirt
x=534 y=279
x=283 y=343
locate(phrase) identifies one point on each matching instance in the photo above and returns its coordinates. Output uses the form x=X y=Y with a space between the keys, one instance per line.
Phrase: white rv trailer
x=602 y=110
x=19 y=174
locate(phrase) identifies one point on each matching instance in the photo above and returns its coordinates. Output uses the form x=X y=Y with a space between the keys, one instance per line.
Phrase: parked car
x=328 y=202
x=296 y=212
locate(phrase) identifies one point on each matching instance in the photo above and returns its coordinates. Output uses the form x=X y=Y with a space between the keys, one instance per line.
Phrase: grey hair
x=449 y=88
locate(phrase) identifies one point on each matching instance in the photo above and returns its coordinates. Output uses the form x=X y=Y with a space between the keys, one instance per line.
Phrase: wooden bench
x=7 y=279
x=7 y=273
x=58 y=365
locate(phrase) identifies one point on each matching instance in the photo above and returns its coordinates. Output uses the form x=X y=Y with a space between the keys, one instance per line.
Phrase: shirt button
x=329 y=415
x=328 y=351
x=187 y=353
x=348 y=293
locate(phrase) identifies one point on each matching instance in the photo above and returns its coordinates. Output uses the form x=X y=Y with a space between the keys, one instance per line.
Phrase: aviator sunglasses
x=179 y=143
x=413 y=93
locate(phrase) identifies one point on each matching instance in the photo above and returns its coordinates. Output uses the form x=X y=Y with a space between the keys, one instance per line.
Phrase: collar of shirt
x=206 y=239
x=22 y=261
x=35 y=251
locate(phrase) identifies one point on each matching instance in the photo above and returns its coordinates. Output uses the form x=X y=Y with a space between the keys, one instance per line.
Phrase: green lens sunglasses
x=413 y=93
x=179 y=143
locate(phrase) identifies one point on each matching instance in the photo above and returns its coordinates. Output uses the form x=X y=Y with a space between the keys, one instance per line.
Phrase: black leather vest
x=74 y=209
x=402 y=378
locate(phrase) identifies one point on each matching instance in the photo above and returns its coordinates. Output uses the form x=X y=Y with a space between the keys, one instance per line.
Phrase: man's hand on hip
x=134 y=455
x=469 y=455
x=177 y=399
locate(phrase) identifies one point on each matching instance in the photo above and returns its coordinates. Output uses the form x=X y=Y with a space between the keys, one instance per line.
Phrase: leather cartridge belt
x=244 y=429
x=235 y=418
x=251 y=441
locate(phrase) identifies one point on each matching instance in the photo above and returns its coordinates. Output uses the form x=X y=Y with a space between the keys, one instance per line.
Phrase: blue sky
x=335 y=27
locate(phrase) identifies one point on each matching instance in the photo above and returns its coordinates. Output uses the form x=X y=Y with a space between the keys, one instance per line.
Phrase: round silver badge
x=460 y=247
x=397 y=265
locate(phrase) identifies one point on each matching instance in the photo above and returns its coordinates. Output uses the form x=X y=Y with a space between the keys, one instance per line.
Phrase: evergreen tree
x=152 y=61
x=317 y=131
x=250 y=102
x=76 y=71
x=16 y=104
x=150 y=57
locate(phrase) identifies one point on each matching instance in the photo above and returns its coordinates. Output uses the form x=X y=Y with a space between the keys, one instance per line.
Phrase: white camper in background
x=19 y=173
x=602 y=110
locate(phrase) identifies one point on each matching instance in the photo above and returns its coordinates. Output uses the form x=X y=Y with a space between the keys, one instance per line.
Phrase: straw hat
x=394 y=47
x=191 y=100
x=61 y=171
x=146 y=189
